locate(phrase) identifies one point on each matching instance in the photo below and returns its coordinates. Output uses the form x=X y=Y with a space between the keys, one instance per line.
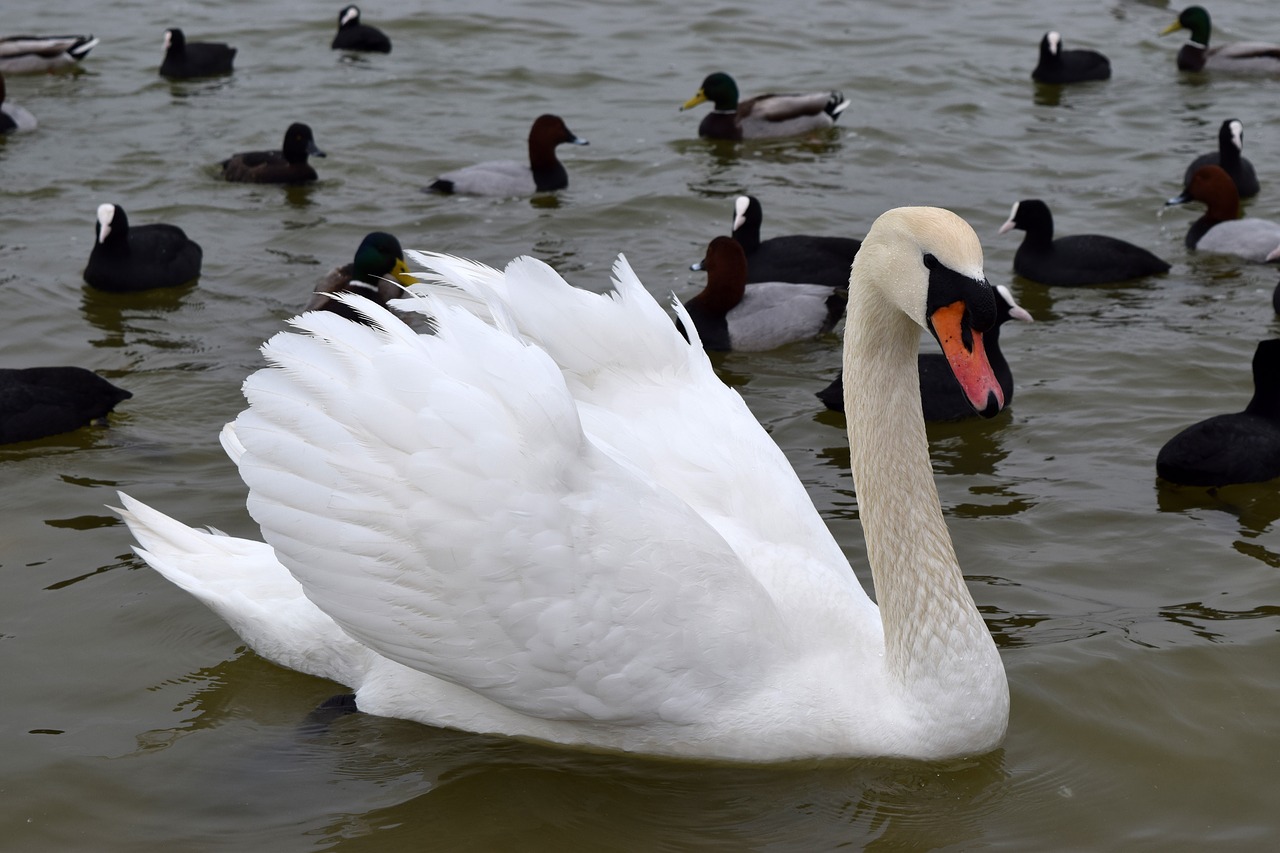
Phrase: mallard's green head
x=380 y=257
x=1195 y=19
x=718 y=88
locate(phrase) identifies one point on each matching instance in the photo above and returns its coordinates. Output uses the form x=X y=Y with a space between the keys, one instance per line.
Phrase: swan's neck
x=935 y=639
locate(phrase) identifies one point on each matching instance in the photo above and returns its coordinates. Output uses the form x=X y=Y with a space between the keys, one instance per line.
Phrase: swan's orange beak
x=962 y=345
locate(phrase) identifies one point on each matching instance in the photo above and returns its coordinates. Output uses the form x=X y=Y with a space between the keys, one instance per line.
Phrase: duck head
x=720 y=89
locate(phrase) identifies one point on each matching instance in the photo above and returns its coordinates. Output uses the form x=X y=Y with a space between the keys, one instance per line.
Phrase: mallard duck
x=1243 y=56
x=288 y=165
x=551 y=520
x=544 y=172
x=37 y=54
x=353 y=35
x=763 y=116
x=196 y=58
x=374 y=272
x=36 y=402
x=142 y=257
x=1076 y=260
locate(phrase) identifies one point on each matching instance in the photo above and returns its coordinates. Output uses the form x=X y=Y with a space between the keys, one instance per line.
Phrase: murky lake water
x=1138 y=623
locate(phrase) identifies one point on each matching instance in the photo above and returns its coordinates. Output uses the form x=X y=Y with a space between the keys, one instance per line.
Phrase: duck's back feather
x=495 y=177
x=1245 y=56
x=1248 y=238
x=803 y=258
x=1224 y=449
x=784 y=107
x=774 y=313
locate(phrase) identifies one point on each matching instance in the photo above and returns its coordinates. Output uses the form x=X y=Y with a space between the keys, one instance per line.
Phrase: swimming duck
x=378 y=264
x=561 y=525
x=544 y=172
x=36 y=402
x=286 y=166
x=763 y=116
x=794 y=257
x=13 y=117
x=1196 y=55
x=1230 y=158
x=1243 y=447
x=194 y=59
x=1221 y=229
x=37 y=54
x=941 y=396
x=143 y=257
x=1068 y=66
x=353 y=35
x=1076 y=260
x=732 y=315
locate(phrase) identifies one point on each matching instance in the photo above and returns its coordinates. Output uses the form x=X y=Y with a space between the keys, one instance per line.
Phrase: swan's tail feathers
x=244 y=583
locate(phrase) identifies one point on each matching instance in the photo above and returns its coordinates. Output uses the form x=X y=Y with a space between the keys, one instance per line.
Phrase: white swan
x=553 y=521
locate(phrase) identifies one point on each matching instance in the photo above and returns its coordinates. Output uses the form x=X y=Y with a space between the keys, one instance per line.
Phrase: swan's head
x=928 y=263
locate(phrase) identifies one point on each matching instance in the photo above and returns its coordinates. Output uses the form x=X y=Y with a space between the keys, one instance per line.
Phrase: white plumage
x=551 y=520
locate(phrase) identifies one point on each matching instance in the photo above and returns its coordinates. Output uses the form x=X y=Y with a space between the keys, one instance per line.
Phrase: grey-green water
x=1138 y=624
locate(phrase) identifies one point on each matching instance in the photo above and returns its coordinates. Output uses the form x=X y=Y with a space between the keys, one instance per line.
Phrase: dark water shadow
x=115 y=314
x=969 y=447
x=1255 y=505
x=198 y=87
x=545 y=201
x=1039 y=299
x=720 y=175
x=299 y=195
x=1046 y=94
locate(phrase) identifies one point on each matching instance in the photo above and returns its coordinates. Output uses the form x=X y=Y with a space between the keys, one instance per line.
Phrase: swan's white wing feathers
x=653 y=399
x=437 y=496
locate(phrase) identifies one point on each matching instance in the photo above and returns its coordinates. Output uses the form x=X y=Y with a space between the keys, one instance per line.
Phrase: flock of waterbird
x=546 y=517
